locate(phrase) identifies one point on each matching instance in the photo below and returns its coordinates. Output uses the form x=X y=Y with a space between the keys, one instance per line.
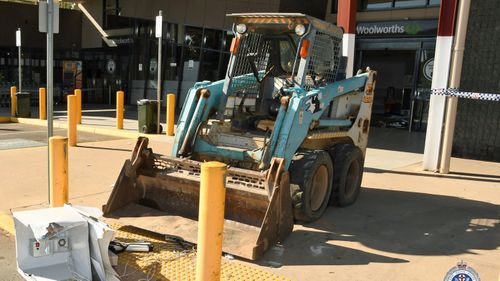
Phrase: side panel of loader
x=308 y=107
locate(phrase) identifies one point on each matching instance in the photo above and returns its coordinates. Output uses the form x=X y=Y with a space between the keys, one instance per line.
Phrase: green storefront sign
x=408 y=28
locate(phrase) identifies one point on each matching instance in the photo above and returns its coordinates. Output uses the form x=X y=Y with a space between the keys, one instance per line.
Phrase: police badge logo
x=462 y=272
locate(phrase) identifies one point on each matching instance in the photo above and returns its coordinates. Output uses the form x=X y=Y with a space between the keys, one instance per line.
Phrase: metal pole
x=211 y=221
x=42 y=103
x=170 y=114
x=50 y=66
x=50 y=77
x=72 y=119
x=19 y=61
x=119 y=109
x=158 y=86
x=58 y=154
x=13 y=101
x=455 y=75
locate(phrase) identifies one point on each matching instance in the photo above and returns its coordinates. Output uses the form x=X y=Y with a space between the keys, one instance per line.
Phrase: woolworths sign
x=409 y=28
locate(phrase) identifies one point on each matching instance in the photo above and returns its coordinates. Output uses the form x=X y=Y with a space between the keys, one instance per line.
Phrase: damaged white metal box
x=52 y=244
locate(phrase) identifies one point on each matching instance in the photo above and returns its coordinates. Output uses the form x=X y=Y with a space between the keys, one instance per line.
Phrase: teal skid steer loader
x=293 y=135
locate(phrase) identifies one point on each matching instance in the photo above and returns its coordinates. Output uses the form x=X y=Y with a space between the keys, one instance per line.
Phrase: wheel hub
x=319 y=187
x=352 y=178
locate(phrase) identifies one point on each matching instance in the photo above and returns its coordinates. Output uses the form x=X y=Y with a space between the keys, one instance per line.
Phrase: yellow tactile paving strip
x=170 y=261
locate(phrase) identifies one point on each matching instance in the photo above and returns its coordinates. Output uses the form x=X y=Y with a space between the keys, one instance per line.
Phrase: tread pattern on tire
x=339 y=154
x=301 y=170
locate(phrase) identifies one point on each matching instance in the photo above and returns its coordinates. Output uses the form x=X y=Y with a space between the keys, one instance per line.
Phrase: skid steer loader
x=294 y=137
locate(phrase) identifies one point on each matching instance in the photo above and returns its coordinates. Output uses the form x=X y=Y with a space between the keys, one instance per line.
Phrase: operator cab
x=270 y=54
x=264 y=60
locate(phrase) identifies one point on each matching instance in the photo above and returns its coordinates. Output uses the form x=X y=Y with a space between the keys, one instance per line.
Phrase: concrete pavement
x=15 y=135
x=405 y=225
x=95 y=120
x=8 y=258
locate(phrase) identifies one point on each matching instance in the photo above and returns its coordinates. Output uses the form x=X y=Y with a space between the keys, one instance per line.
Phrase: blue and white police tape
x=468 y=95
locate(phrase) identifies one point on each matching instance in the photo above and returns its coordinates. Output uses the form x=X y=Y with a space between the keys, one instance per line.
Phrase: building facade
x=397 y=38
x=67 y=47
x=196 y=39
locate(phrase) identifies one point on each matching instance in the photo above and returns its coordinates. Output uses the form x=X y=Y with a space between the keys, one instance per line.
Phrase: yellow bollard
x=13 y=101
x=78 y=94
x=210 y=221
x=72 y=120
x=170 y=114
x=120 y=96
x=42 y=104
x=58 y=155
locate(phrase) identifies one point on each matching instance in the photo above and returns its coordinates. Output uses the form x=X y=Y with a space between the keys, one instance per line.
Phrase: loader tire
x=311 y=184
x=348 y=165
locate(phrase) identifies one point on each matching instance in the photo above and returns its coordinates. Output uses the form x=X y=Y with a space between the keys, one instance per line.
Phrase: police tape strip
x=468 y=95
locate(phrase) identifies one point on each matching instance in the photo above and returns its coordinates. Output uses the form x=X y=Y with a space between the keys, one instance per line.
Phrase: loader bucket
x=161 y=194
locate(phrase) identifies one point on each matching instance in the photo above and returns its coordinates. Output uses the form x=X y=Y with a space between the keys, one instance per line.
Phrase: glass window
x=228 y=39
x=181 y=36
x=335 y=5
x=223 y=65
x=173 y=57
x=172 y=29
x=209 y=66
x=212 y=39
x=409 y=3
x=375 y=4
x=190 y=64
x=191 y=54
x=434 y=2
x=426 y=66
x=193 y=36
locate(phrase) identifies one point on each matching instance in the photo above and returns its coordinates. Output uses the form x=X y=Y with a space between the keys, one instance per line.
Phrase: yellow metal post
x=120 y=95
x=170 y=114
x=78 y=94
x=13 y=101
x=210 y=221
x=58 y=154
x=42 y=104
x=72 y=120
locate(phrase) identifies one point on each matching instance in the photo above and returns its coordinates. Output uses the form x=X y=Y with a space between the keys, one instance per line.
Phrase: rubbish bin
x=147 y=115
x=23 y=105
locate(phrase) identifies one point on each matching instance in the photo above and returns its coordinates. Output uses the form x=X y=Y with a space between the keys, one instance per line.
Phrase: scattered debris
x=139 y=246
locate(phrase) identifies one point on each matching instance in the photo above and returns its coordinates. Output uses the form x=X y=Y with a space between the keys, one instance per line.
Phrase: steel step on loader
x=293 y=134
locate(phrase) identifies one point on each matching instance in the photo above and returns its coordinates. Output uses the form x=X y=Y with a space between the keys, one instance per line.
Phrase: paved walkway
x=95 y=120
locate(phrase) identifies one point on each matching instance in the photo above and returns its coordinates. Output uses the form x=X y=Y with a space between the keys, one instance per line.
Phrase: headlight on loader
x=241 y=28
x=300 y=29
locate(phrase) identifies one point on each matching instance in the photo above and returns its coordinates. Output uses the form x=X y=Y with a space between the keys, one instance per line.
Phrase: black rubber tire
x=348 y=166
x=303 y=169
